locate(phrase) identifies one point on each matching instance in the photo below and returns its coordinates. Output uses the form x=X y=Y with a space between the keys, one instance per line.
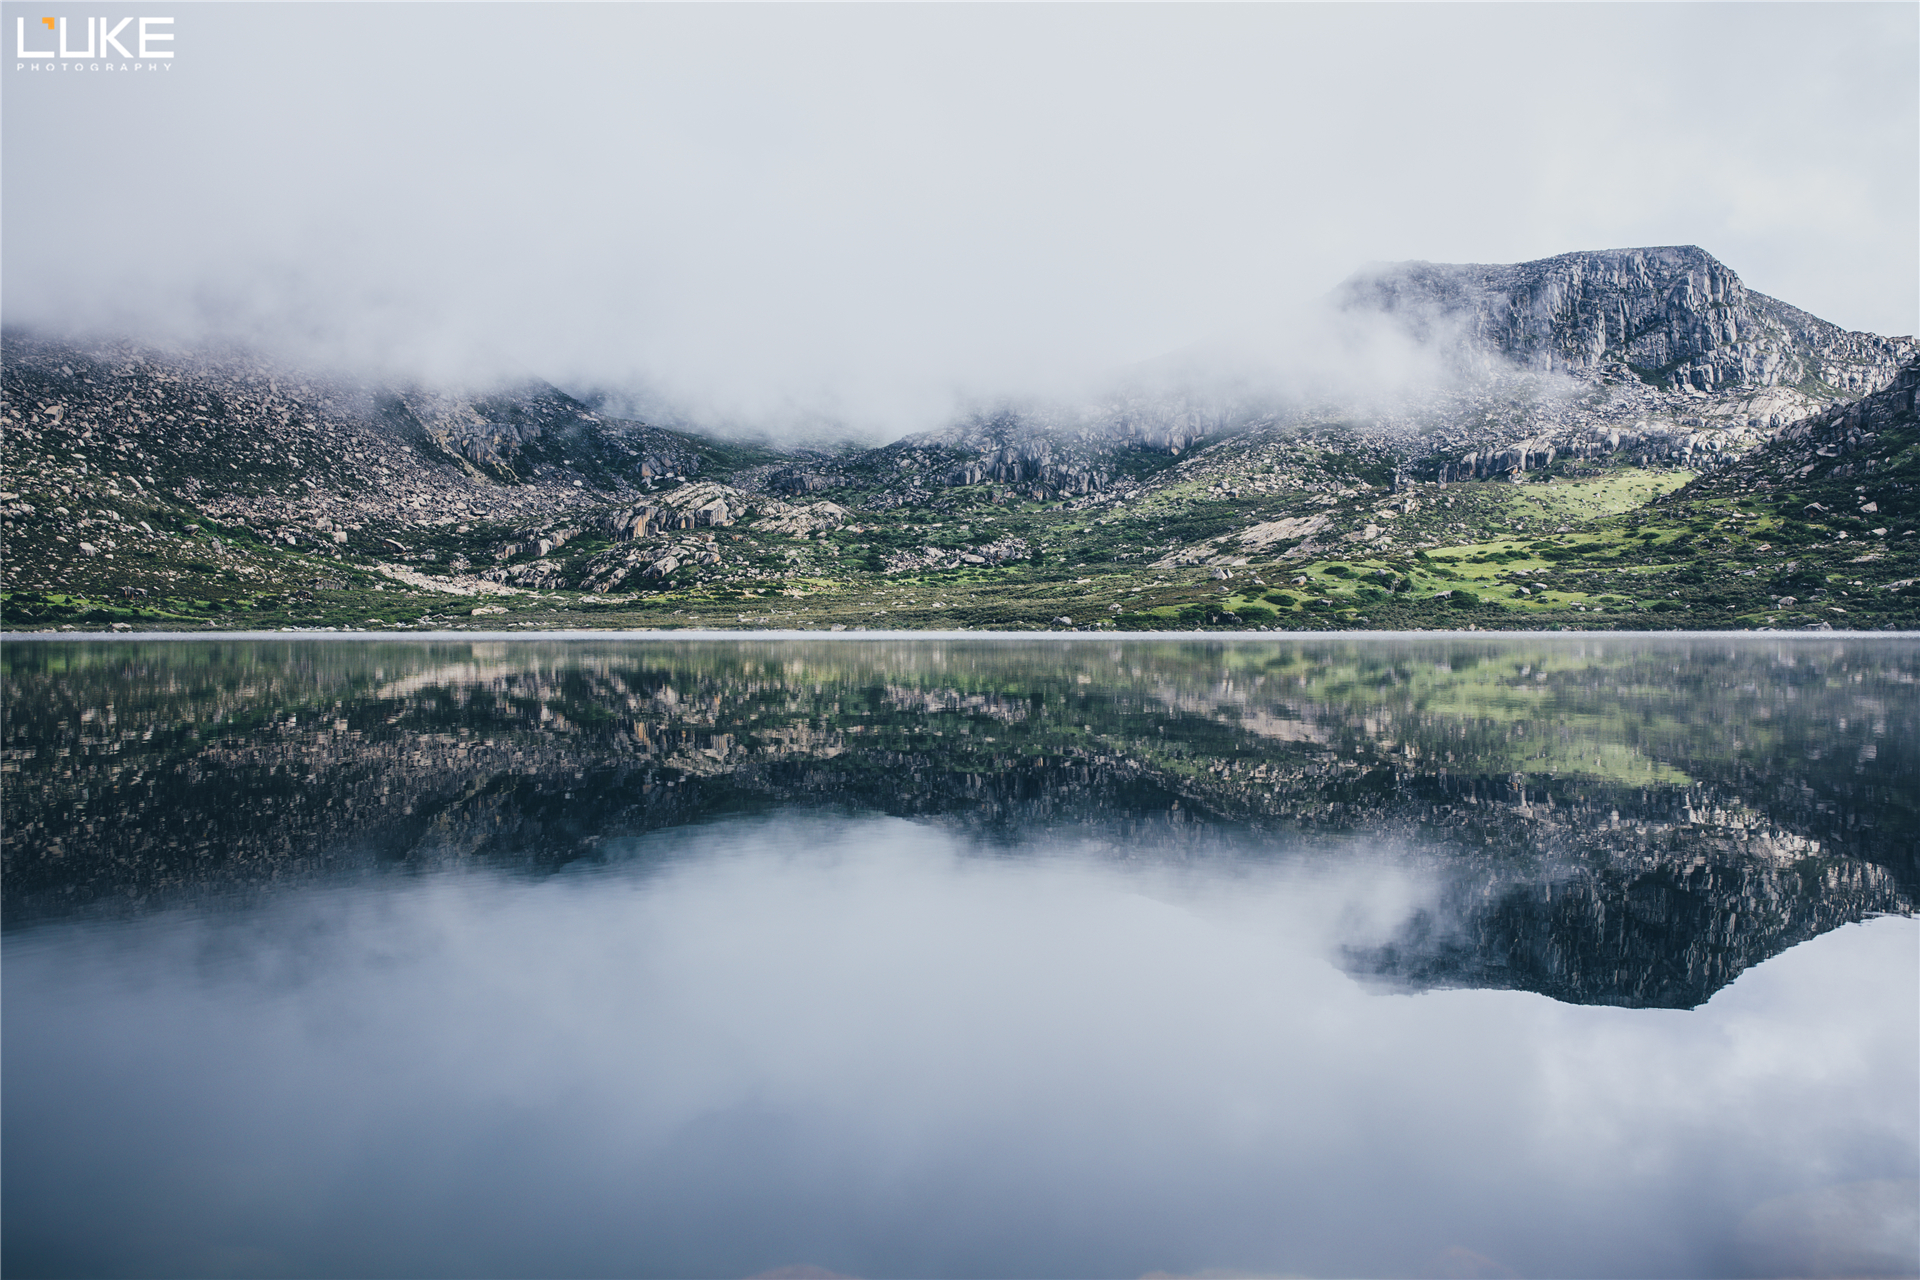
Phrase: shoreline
x=711 y=634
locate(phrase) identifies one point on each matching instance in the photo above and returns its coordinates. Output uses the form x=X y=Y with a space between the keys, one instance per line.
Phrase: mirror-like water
x=1423 y=956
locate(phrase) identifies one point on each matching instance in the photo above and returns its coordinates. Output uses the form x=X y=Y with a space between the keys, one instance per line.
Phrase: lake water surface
x=1385 y=956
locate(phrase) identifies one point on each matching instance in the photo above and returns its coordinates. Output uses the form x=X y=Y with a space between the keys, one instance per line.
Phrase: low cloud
x=811 y=219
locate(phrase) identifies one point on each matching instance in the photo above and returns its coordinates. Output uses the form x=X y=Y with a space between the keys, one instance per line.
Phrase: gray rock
x=1674 y=314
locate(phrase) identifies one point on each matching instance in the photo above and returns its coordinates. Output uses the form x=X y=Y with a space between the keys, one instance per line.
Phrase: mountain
x=1526 y=482
x=1676 y=316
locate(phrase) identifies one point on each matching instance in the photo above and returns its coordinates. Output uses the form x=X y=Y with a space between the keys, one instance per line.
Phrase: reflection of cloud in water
x=849 y=1045
x=1852 y=1229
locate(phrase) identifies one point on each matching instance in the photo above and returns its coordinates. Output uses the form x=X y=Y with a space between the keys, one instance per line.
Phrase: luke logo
x=108 y=38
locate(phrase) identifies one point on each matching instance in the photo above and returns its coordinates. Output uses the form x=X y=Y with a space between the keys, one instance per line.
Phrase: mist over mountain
x=1394 y=338
x=849 y=221
x=1674 y=315
x=1439 y=411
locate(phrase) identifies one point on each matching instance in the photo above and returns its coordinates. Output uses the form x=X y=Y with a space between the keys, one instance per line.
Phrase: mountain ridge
x=1690 y=322
x=233 y=487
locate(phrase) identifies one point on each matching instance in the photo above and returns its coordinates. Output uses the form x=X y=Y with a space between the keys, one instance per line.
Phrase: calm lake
x=1437 y=955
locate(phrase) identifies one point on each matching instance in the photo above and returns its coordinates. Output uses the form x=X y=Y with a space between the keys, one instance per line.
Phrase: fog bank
x=860 y=215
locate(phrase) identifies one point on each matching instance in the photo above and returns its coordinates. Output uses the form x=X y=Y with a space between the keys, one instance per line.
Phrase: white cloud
x=868 y=210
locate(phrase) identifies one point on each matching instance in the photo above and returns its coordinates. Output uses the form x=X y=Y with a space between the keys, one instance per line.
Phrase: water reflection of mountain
x=1609 y=821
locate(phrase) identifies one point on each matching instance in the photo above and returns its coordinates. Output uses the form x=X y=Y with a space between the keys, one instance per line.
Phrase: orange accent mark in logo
x=48 y=22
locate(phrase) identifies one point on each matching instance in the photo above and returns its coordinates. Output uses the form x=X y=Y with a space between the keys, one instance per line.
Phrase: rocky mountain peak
x=1674 y=314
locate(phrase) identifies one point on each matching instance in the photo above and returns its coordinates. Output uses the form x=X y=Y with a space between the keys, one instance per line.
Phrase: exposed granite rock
x=1844 y=430
x=986 y=554
x=1039 y=452
x=509 y=434
x=1857 y=456
x=1675 y=314
x=797 y=480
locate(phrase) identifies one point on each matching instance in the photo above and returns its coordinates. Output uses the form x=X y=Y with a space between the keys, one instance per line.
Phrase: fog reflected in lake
x=865 y=1045
x=1433 y=955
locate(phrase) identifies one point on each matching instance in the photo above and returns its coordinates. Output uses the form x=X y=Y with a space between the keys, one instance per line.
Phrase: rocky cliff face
x=1675 y=315
x=1032 y=452
x=1848 y=477
x=1865 y=439
x=513 y=433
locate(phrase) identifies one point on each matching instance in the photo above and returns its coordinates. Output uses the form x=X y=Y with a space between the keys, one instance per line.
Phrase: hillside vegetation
x=1762 y=473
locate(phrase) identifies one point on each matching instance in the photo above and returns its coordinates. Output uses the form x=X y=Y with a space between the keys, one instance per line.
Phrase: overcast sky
x=862 y=211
